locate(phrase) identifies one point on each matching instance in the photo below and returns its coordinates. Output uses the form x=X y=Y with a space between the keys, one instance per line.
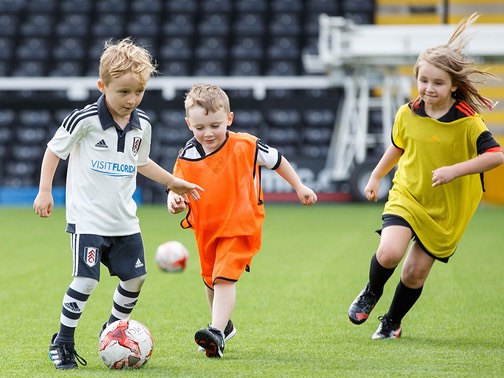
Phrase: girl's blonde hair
x=124 y=57
x=450 y=58
x=208 y=96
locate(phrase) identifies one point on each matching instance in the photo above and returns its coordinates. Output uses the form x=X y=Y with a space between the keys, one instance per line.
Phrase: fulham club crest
x=136 y=145
x=91 y=255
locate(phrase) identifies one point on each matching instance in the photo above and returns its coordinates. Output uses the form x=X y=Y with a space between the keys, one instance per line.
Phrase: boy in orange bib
x=228 y=222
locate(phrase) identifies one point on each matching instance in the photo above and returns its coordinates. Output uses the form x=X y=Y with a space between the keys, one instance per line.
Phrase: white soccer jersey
x=102 y=169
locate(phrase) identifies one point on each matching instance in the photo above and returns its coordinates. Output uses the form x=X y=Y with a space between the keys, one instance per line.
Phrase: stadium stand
x=190 y=38
x=50 y=38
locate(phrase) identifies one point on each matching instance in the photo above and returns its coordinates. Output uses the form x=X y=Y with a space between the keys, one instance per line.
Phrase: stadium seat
x=249 y=24
x=6 y=47
x=311 y=25
x=175 y=67
x=33 y=48
x=8 y=25
x=210 y=68
x=26 y=153
x=283 y=48
x=37 y=25
x=29 y=68
x=5 y=136
x=285 y=24
x=31 y=135
x=147 y=6
x=108 y=6
x=216 y=6
x=282 y=6
x=319 y=118
x=329 y=7
x=317 y=135
x=42 y=6
x=69 y=48
x=186 y=6
x=179 y=24
x=108 y=25
x=7 y=117
x=358 y=6
x=73 y=25
x=246 y=67
x=66 y=68
x=143 y=25
x=11 y=6
x=77 y=6
x=214 y=24
x=247 y=6
x=282 y=68
x=177 y=48
x=244 y=47
x=211 y=48
x=34 y=119
x=314 y=152
x=248 y=120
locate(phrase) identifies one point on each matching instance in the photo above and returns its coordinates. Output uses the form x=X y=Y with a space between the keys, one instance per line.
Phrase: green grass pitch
x=291 y=312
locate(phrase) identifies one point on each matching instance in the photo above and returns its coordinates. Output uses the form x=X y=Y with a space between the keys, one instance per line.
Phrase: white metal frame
x=359 y=58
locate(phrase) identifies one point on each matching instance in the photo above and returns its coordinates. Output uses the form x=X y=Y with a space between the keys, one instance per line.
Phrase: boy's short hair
x=208 y=96
x=123 y=57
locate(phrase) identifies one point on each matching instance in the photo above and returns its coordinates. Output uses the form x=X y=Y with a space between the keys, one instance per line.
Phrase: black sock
x=378 y=277
x=404 y=299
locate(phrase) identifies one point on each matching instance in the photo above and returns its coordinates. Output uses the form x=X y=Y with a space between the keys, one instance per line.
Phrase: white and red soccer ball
x=126 y=344
x=172 y=256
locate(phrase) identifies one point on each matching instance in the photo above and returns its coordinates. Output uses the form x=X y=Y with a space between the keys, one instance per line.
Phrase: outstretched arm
x=154 y=172
x=44 y=202
x=480 y=163
x=306 y=195
x=388 y=161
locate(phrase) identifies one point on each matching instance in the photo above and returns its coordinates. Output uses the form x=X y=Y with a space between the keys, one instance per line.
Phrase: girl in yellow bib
x=441 y=148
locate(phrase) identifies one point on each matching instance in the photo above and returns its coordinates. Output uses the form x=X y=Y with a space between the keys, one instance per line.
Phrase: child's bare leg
x=210 y=296
x=224 y=299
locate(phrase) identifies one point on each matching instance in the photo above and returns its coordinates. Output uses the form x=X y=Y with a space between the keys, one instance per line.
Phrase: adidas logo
x=72 y=306
x=101 y=144
x=130 y=305
x=139 y=264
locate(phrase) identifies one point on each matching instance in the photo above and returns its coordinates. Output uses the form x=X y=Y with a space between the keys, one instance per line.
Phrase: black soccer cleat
x=212 y=340
x=362 y=306
x=387 y=329
x=64 y=356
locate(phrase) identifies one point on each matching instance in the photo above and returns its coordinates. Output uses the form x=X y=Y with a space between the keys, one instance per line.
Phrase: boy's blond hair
x=208 y=96
x=450 y=58
x=124 y=57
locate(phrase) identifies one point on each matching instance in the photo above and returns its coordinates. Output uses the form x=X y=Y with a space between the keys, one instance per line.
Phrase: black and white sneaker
x=362 y=306
x=229 y=332
x=212 y=340
x=387 y=329
x=64 y=356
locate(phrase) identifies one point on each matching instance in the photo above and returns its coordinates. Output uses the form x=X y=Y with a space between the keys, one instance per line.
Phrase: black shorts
x=122 y=255
x=395 y=220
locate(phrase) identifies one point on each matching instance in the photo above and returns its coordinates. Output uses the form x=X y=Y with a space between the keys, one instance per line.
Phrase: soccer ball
x=125 y=344
x=172 y=256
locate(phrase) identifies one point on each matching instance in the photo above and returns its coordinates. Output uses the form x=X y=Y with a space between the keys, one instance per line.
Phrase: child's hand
x=306 y=196
x=443 y=175
x=43 y=204
x=371 y=189
x=176 y=203
x=183 y=187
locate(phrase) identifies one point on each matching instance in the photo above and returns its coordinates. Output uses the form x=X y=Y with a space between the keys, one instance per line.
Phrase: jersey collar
x=107 y=120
